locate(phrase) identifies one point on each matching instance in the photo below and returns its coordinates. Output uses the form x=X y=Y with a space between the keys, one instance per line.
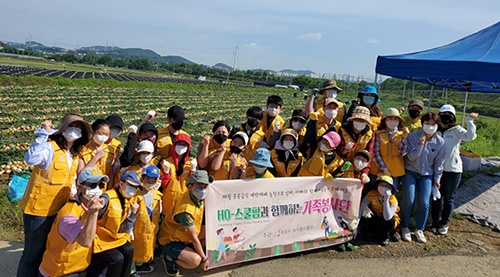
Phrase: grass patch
x=11 y=223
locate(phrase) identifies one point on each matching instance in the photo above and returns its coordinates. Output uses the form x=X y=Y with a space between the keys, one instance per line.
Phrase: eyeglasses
x=101 y=184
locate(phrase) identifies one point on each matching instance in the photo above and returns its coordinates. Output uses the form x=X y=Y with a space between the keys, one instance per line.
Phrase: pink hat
x=333 y=138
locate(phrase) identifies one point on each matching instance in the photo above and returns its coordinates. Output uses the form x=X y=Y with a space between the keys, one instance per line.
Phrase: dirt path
x=314 y=264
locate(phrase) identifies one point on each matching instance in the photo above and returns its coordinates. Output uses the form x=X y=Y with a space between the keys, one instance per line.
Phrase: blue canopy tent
x=469 y=64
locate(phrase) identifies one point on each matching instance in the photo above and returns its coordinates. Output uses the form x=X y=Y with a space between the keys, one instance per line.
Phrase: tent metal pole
x=430 y=98
x=376 y=79
x=465 y=107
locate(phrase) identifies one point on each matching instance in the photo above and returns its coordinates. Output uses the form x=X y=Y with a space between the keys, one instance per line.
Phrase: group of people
x=92 y=206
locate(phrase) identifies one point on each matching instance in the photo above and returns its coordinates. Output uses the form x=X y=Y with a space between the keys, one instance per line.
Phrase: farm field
x=24 y=108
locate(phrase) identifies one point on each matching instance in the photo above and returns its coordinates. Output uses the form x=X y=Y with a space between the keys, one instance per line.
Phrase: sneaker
x=443 y=230
x=396 y=237
x=170 y=266
x=405 y=232
x=419 y=235
x=134 y=274
x=349 y=246
x=434 y=230
x=341 y=247
x=144 y=268
x=385 y=242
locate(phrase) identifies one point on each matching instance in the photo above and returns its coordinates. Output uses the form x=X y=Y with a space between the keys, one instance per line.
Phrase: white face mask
x=359 y=126
x=129 y=191
x=145 y=158
x=331 y=93
x=383 y=190
x=288 y=144
x=259 y=169
x=323 y=147
x=392 y=124
x=359 y=164
x=180 y=149
x=100 y=139
x=331 y=113
x=72 y=133
x=150 y=186
x=429 y=129
x=272 y=111
x=115 y=132
x=89 y=193
x=297 y=125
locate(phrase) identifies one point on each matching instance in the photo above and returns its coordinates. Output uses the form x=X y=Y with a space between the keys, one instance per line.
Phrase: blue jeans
x=449 y=184
x=36 y=230
x=414 y=182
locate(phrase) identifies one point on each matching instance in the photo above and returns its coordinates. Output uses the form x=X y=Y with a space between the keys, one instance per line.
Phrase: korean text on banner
x=259 y=218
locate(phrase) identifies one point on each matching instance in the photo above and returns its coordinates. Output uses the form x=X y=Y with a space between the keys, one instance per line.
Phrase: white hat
x=241 y=135
x=447 y=108
x=145 y=146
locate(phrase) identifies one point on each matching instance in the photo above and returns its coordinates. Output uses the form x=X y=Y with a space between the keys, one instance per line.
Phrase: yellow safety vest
x=375 y=122
x=270 y=129
x=279 y=166
x=61 y=257
x=172 y=231
x=48 y=189
x=250 y=173
x=360 y=144
x=315 y=166
x=107 y=233
x=176 y=186
x=377 y=207
x=389 y=154
x=145 y=229
x=164 y=142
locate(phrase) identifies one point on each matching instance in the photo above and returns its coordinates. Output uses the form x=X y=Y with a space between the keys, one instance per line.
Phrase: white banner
x=258 y=218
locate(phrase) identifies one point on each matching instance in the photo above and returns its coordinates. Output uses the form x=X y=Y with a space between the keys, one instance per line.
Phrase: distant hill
x=223 y=66
x=36 y=46
x=298 y=72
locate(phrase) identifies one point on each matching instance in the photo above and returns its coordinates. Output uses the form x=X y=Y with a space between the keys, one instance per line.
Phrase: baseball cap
x=417 y=102
x=333 y=138
x=131 y=177
x=200 y=176
x=176 y=113
x=151 y=171
x=242 y=135
x=145 y=146
x=447 y=108
x=115 y=121
x=91 y=175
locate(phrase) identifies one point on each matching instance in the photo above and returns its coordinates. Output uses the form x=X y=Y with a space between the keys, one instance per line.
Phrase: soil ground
x=467 y=250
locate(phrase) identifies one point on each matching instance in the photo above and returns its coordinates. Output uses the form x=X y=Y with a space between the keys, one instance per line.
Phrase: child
x=237 y=162
x=254 y=117
x=384 y=205
x=324 y=162
x=260 y=163
x=361 y=160
x=272 y=120
x=147 y=220
x=286 y=158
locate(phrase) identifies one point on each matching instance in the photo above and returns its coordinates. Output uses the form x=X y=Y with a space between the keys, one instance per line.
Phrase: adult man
x=175 y=118
x=180 y=230
x=69 y=243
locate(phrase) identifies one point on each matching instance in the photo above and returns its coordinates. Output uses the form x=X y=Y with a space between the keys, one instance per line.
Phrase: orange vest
x=360 y=144
x=62 y=258
x=164 y=142
x=48 y=189
x=389 y=154
x=172 y=231
x=315 y=166
x=176 y=187
x=107 y=234
x=281 y=171
x=145 y=229
x=377 y=207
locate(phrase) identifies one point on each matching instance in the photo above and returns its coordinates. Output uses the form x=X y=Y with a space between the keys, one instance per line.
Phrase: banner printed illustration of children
x=222 y=247
x=238 y=239
x=325 y=226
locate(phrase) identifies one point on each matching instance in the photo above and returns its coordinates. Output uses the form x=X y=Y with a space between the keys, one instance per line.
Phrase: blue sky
x=322 y=36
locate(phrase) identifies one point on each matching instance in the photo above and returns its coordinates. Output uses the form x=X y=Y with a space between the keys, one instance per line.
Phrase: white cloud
x=251 y=45
x=311 y=36
x=372 y=41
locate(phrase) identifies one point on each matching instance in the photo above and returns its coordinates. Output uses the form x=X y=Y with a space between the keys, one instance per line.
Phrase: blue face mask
x=368 y=100
x=200 y=194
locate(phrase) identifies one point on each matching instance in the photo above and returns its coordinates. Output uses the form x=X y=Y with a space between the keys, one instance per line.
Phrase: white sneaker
x=443 y=230
x=419 y=235
x=405 y=234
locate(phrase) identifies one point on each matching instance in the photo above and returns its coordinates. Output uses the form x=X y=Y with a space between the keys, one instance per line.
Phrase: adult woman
x=424 y=167
x=213 y=150
x=368 y=98
x=94 y=154
x=389 y=147
x=55 y=157
x=453 y=134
